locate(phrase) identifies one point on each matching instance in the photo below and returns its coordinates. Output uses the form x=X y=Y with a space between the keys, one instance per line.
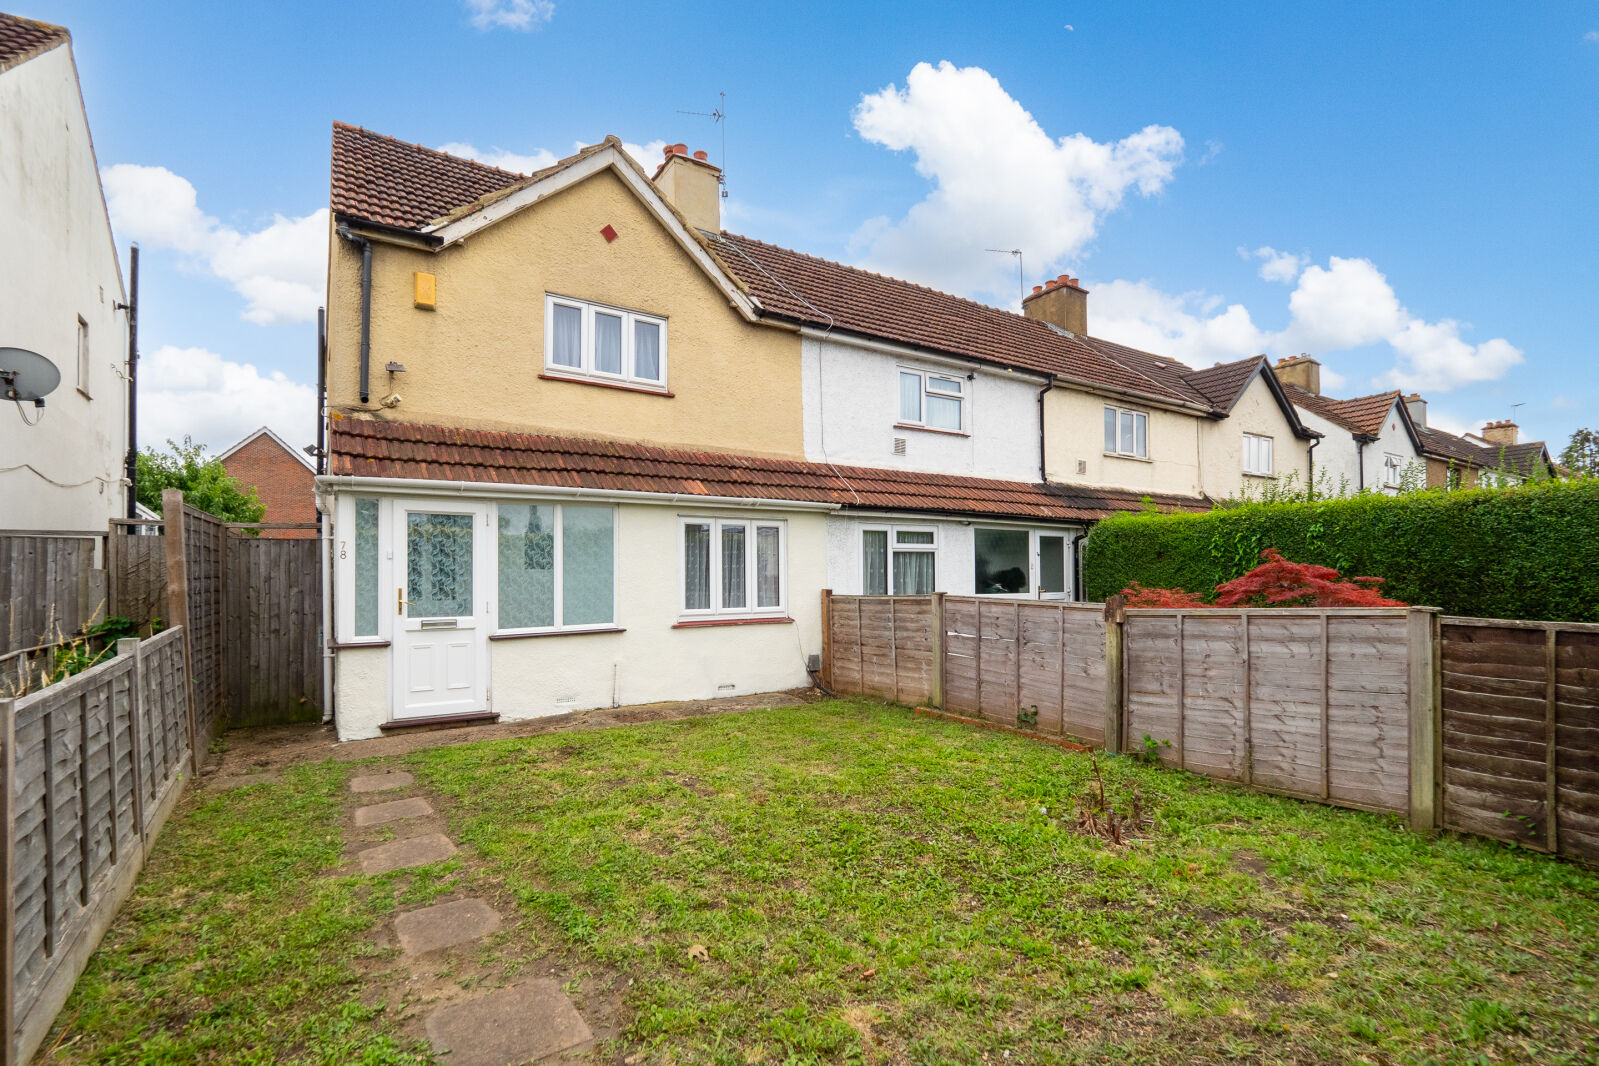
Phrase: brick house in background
x=283 y=479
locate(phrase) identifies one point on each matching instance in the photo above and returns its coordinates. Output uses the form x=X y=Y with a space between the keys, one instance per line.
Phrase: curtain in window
x=697 y=566
x=647 y=351
x=1110 y=429
x=567 y=336
x=366 y=568
x=913 y=573
x=874 y=562
x=586 y=565
x=526 y=553
x=768 y=566
x=944 y=412
x=910 y=397
x=733 y=566
x=607 y=343
x=1127 y=434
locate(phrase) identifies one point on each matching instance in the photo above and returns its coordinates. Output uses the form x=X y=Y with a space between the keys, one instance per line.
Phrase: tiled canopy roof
x=22 y=39
x=1363 y=414
x=437 y=453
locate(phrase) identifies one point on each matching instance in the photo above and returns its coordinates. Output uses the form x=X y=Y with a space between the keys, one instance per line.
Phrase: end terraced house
x=585 y=448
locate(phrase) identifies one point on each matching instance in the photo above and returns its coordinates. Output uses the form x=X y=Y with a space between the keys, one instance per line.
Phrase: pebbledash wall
x=654 y=659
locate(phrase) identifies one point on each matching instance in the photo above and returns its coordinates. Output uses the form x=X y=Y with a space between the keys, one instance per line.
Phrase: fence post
x=178 y=605
x=1551 y=814
x=935 y=697
x=8 y=903
x=1115 y=681
x=827 y=639
x=1423 y=736
x=134 y=649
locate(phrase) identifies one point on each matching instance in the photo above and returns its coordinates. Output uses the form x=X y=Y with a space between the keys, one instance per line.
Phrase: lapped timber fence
x=1479 y=725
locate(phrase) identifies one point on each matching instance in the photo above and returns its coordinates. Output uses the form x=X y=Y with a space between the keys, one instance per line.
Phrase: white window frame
x=1034 y=562
x=587 y=371
x=344 y=571
x=1253 y=444
x=558 y=561
x=83 y=357
x=1138 y=417
x=1393 y=470
x=751 y=574
x=927 y=377
x=893 y=544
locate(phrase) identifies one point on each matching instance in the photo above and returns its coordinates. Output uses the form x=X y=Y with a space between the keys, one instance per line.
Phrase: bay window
x=732 y=567
x=1126 y=432
x=586 y=340
x=899 y=561
x=556 y=566
x=932 y=401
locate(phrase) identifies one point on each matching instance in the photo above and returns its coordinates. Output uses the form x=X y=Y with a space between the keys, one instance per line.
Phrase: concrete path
x=528 y=1020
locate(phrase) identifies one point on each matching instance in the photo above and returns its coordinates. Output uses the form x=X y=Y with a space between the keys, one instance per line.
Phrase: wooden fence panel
x=1286 y=681
x=961 y=638
x=205 y=554
x=1368 y=693
x=1041 y=636
x=876 y=619
x=49 y=589
x=1576 y=776
x=136 y=560
x=78 y=803
x=998 y=661
x=273 y=624
x=915 y=667
x=1211 y=738
x=1083 y=672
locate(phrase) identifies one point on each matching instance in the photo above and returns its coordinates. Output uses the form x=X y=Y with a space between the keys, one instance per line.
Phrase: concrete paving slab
x=445 y=925
x=514 y=1025
x=393 y=811
x=381 y=782
x=398 y=854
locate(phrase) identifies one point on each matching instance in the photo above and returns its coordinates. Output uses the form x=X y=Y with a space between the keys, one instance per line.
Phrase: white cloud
x=510 y=14
x=1432 y=356
x=1592 y=37
x=1346 y=304
x=1212 y=150
x=1138 y=314
x=278 y=269
x=999 y=180
x=1277 y=266
x=197 y=392
x=646 y=155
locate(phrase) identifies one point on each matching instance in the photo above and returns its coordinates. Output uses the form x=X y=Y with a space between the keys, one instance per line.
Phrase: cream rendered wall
x=651 y=661
x=476 y=360
x=1222 y=441
x=57 y=263
x=852 y=413
x=1075 y=430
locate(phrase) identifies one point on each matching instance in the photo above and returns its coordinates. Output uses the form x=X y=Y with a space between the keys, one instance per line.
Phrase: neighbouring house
x=283 y=479
x=63 y=465
x=1493 y=457
x=1369 y=442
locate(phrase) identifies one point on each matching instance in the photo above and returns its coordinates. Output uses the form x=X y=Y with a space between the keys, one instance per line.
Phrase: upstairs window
x=1126 y=432
x=1257 y=454
x=584 y=340
x=1393 y=469
x=932 y=401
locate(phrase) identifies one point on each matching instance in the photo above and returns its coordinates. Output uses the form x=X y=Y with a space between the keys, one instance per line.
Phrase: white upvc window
x=899 y=560
x=1393 y=469
x=1257 y=454
x=555 y=567
x=932 y=401
x=588 y=340
x=732 y=567
x=1011 y=561
x=1126 y=432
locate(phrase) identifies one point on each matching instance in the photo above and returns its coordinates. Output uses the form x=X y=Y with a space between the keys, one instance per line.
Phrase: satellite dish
x=26 y=375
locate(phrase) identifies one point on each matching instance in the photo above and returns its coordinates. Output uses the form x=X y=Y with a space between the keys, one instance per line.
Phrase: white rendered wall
x=851 y=397
x=57 y=263
x=1394 y=439
x=1339 y=457
x=955 y=570
x=651 y=661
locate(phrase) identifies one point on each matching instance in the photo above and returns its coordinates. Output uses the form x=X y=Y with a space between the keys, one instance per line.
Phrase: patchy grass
x=239 y=944
x=871 y=887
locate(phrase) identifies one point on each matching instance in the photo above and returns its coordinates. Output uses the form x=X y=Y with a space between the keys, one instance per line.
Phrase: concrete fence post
x=1115 y=670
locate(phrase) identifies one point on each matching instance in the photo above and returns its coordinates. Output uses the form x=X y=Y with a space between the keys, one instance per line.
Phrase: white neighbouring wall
x=57 y=264
x=1339 y=458
x=955 y=569
x=851 y=413
x=652 y=661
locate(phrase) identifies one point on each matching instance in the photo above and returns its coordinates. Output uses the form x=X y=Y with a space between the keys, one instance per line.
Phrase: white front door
x=440 y=650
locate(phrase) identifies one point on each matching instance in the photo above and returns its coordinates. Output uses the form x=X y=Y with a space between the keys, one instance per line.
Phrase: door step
x=439 y=721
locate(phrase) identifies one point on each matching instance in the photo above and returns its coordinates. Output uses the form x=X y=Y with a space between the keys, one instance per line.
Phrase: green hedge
x=1526 y=552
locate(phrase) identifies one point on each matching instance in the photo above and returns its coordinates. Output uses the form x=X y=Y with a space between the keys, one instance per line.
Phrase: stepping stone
x=380 y=782
x=514 y=1025
x=444 y=925
x=398 y=854
x=393 y=811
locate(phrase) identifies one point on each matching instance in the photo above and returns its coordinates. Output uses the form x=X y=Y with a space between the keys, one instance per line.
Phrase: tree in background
x=204 y=482
x=1582 y=454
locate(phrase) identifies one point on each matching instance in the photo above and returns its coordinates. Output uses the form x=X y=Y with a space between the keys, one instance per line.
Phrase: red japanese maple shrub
x=1278 y=582
x=1139 y=596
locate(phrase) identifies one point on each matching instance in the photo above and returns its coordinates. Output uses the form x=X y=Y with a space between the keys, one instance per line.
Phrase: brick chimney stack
x=1505 y=432
x=692 y=184
x=1417 y=408
x=1061 y=302
x=1300 y=370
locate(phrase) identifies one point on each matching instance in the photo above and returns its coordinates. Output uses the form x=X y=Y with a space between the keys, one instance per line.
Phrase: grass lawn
x=845 y=882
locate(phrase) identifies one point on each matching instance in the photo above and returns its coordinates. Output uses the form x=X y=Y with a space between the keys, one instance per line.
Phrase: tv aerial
x=26 y=377
x=717 y=115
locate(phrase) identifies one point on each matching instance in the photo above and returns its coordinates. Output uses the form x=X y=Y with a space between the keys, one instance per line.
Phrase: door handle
x=400 y=602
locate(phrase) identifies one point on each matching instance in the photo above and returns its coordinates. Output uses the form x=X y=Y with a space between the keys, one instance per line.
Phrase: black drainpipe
x=366 y=309
x=1360 y=464
x=1043 y=459
x=1310 y=453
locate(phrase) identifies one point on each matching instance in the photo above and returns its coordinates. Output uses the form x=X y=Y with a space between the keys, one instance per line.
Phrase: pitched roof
x=268 y=431
x=1364 y=414
x=1528 y=458
x=383 y=180
x=1223 y=383
x=366 y=448
x=21 y=39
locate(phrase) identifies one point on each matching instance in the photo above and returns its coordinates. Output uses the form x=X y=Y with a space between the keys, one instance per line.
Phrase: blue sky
x=1405 y=191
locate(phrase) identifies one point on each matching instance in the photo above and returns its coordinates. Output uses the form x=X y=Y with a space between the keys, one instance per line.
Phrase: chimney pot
x=667 y=151
x=700 y=155
x=680 y=149
x=1038 y=288
x=1063 y=278
x=1502 y=432
x=693 y=190
x=1059 y=302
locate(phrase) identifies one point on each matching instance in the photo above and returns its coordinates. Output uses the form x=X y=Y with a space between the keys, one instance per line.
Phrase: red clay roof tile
x=21 y=39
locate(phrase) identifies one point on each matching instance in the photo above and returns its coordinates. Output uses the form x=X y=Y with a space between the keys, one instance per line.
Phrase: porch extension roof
x=370 y=448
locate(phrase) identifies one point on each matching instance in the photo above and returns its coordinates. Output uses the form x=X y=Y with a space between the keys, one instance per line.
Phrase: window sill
x=555 y=633
x=1129 y=458
x=619 y=385
x=705 y=623
x=345 y=645
x=1262 y=477
x=930 y=429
